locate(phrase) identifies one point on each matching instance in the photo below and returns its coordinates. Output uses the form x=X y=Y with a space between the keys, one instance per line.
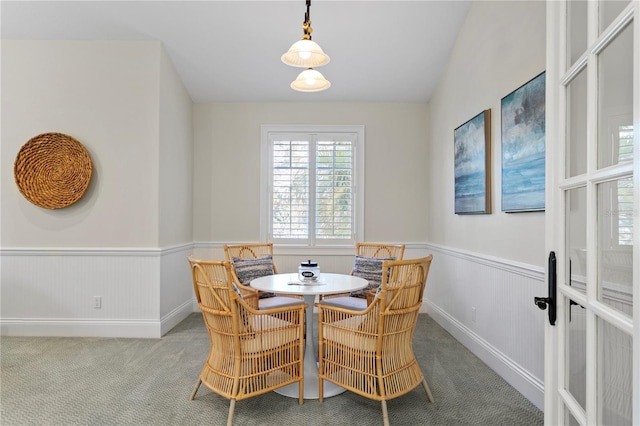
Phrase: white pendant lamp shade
x=305 y=54
x=310 y=80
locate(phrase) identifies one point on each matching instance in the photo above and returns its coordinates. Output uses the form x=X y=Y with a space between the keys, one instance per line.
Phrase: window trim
x=358 y=188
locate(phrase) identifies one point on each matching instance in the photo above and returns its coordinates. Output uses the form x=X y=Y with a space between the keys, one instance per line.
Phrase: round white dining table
x=326 y=283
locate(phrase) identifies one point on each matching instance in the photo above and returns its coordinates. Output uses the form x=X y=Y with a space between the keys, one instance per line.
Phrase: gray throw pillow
x=369 y=268
x=249 y=269
x=237 y=291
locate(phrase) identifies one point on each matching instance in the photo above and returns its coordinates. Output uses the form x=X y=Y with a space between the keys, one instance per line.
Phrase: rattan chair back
x=374 y=250
x=251 y=352
x=250 y=251
x=380 y=250
x=254 y=297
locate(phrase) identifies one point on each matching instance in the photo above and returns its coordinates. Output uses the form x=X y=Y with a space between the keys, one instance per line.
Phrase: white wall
x=501 y=46
x=175 y=158
x=125 y=103
x=227 y=166
x=175 y=195
x=488 y=268
x=104 y=94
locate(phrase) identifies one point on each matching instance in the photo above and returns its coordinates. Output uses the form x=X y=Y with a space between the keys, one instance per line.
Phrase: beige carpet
x=101 y=381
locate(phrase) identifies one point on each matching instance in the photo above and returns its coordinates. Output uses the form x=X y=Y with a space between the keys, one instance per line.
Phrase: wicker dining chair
x=368 y=265
x=370 y=352
x=249 y=261
x=251 y=351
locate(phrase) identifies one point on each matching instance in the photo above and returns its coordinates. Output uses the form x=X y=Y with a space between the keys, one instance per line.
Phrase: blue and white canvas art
x=523 y=147
x=472 y=148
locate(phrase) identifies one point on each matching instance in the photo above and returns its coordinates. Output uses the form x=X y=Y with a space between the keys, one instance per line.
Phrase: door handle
x=549 y=301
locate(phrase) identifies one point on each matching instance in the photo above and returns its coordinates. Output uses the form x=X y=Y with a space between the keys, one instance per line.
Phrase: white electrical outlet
x=97 y=302
x=473 y=313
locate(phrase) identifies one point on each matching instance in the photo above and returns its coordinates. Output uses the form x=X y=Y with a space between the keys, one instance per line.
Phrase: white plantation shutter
x=312 y=184
x=290 y=189
x=333 y=189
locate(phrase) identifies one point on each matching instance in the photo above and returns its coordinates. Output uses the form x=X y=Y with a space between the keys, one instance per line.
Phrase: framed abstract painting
x=472 y=165
x=523 y=147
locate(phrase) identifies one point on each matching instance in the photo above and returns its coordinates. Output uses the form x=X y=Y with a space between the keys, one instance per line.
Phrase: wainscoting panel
x=177 y=298
x=51 y=292
x=487 y=304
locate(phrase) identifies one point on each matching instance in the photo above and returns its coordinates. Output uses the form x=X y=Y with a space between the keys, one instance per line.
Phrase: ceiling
x=229 y=51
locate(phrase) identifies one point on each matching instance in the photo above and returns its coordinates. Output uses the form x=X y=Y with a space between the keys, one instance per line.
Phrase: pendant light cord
x=306 y=25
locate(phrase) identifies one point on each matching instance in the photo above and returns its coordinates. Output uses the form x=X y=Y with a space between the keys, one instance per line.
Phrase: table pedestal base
x=328 y=283
x=311 y=380
x=311 y=386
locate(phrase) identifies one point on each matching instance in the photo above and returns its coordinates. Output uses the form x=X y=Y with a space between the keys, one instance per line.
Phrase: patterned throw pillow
x=237 y=291
x=369 y=268
x=249 y=269
x=378 y=290
x=244 y=315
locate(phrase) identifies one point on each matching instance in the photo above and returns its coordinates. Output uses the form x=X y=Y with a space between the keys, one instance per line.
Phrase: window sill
x=298 y=250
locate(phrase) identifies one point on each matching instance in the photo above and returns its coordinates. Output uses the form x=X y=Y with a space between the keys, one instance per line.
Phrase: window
x=311 y=184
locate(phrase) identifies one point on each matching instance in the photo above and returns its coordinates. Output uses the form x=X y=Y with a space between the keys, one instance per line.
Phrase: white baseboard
x=80 y=328
x=516 y=376
x=174 y=317
x=145 y=329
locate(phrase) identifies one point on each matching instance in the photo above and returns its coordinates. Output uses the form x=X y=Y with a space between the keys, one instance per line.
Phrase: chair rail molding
x=94 y=251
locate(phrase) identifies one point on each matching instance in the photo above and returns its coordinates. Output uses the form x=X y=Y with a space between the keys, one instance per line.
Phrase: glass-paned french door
x=592 y=355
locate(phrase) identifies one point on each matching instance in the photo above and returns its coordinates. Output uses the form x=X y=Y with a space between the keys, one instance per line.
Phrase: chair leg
x=426 y=388
x=301 y=391
x=232 y=407
x=385 y=414
x=195 y=390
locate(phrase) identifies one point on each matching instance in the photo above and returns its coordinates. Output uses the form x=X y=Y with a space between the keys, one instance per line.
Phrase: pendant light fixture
x=306 y=53
x=310 y=80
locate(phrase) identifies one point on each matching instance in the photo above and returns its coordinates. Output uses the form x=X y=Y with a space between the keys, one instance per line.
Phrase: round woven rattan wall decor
x=53 y=170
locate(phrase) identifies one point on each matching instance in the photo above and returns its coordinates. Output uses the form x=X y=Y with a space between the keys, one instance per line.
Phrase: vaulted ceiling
x=229 y=51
